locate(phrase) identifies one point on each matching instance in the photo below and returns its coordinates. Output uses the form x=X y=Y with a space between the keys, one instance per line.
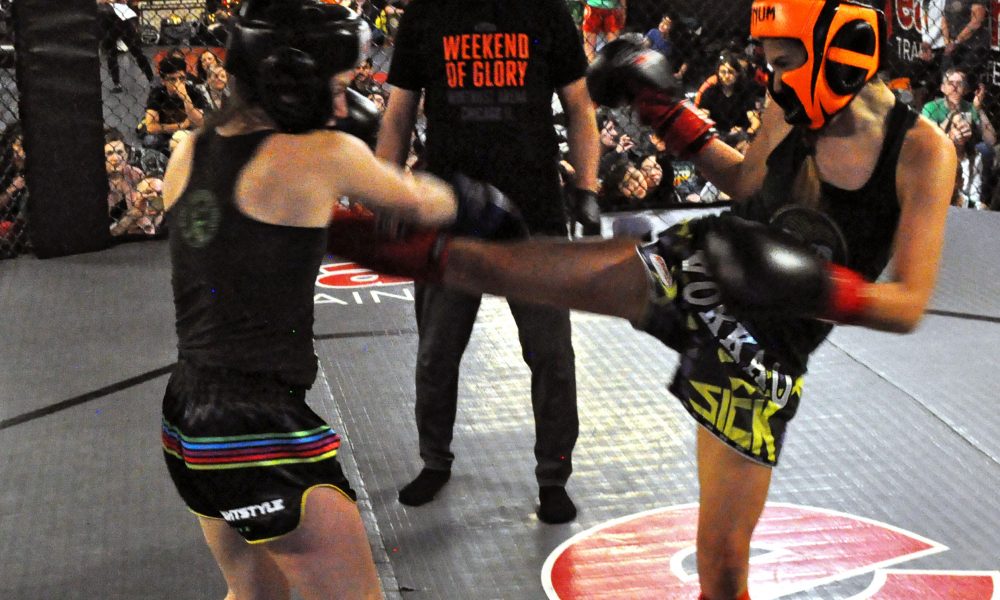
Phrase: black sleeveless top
x=243 y=289
x=867 y=217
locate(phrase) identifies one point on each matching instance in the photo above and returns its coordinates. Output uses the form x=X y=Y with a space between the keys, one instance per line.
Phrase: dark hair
x=10 y=133
x=8 y=171
x=171 y=63
x=200 y=68
x=733 y=60
x=112 y=134
x=955 y=71
x=604 y=115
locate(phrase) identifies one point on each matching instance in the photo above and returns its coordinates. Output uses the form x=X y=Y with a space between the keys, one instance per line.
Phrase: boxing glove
x=626 y=71
x=623 y=67
x=357 y=236
x=762 y=271
x=362 y=120
x=584 y=209
x=483 y=212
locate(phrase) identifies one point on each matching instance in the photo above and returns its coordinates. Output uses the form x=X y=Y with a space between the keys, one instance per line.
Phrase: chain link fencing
x=13 y=192
x=146 y=46
x=928 y=42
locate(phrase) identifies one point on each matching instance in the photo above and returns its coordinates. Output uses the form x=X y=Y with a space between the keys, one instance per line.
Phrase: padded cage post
x=58 y=68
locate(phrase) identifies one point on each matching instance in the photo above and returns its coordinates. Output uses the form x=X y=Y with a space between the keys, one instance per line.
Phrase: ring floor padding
x=896 y=434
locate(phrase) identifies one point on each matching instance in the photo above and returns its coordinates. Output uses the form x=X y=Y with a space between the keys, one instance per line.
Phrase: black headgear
x=285 y=51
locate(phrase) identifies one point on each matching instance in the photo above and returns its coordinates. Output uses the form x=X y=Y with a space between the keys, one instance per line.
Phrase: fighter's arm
x=582 y=131
x=741 y=176
x=355 y=172
x=625 y=72
x=977 y=18
x=178 y=172
x=397 y=125
x=599 y=276
x=761 y=270
x=925 y=179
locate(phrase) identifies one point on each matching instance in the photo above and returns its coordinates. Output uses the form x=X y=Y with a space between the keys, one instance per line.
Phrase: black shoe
x=117 y=89
x=423 y=489
x=555 y=505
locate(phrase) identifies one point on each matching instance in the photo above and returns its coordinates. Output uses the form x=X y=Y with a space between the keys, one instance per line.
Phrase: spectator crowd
x=724 y=77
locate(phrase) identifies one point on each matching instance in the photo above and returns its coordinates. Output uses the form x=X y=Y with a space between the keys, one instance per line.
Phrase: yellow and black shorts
x=721 y=396
x=246 y=448
x=727 y=380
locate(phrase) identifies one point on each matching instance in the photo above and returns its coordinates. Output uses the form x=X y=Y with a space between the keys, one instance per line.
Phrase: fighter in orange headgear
x=843 y=42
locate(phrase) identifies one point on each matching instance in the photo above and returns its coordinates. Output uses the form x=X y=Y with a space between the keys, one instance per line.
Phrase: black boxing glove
x=623 y=67
x=362 y=120
x=627 y=72
x=584 y=209
x=760 y=270
x=485 y=212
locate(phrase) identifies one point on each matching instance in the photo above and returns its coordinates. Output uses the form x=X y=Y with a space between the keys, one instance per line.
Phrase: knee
x=549 y=347
x=556 y=360
x=438 y=362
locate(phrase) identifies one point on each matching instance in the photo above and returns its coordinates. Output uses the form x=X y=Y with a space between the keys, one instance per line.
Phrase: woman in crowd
x=207 y=60
x=732 y=103
x=124 y=198
x=216 y=88
x=13 y=191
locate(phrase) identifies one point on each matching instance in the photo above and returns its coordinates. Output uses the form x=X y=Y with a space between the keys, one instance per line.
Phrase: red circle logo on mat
x=650 y=555
x=352 y=275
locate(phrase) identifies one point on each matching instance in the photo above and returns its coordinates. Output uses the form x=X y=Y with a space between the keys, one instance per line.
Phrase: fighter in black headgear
x=285 y=52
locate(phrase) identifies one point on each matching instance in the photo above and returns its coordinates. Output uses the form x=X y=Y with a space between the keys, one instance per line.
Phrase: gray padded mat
x=896 y=429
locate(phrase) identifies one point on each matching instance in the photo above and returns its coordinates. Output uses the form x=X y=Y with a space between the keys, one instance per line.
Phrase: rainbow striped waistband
x=252 y=450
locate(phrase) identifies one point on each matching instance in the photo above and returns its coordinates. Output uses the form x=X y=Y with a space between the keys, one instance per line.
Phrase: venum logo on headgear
x=762 y=13
x=843 y=43
x=286 y=51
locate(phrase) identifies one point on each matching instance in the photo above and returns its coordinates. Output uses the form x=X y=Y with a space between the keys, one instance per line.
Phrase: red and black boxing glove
x=625 y=71
x=483 y=212
x=358 y=236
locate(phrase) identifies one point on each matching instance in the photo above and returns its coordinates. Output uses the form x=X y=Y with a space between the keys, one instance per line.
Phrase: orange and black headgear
x=843 y=42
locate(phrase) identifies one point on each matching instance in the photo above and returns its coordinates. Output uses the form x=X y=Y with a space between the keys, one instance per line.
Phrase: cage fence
x=152 y=49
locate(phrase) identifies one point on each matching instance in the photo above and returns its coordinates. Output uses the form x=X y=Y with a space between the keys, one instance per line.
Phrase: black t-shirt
x=728 y=111
x=170 y=108
x=489 y=70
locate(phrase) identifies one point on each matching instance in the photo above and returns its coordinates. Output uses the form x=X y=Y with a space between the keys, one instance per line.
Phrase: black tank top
x=243 y=289
x=867 y=217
